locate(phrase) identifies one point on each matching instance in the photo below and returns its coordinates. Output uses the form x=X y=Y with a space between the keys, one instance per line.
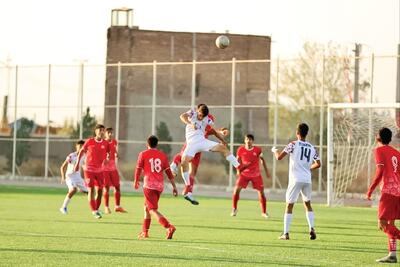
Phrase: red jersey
x=111 y=166
x=96 y=153
x=250 y=158
x=153 y=162
x=389 y=158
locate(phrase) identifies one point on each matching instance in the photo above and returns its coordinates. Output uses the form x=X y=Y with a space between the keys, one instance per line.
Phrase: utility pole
x=357 y=52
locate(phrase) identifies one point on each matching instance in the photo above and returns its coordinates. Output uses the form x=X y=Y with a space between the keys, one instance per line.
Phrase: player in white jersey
x=73 y=179
x=303 y=159
x=196 y=121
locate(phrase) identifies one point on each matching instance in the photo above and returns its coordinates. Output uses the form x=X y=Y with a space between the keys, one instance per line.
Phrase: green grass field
x=33 y=233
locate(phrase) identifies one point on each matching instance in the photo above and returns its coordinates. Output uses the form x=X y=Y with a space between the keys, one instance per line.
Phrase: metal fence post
x=117 y=114
x=46 y=162
x=193 y=96
x=321 y=125
x=232 y=130
x=81 y=70
x=275 y=124
x=14 y=158
x=153 y=104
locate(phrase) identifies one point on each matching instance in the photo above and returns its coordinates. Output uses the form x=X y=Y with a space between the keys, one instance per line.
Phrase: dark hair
x=80 y=142
x=109 y=129
x=250 y=136
x=203 y=109
x=99 y=126
x=302 y=129
x=385 y=136
x=152 y=141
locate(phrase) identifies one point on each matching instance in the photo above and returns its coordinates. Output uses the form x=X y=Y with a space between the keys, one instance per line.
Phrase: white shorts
x=75 y=180
x=198 y=146
x=293 y=191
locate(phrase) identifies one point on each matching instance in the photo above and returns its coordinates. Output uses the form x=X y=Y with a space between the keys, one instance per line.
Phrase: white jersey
x=71 y=159
x=302 y=155
x=197 y=134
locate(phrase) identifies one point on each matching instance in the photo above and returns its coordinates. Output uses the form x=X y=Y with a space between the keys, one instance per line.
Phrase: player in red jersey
x=387 y=174
x=111 y=176
x=97 y=152
x=249 y=157
x=153 y=162
x=194 y=164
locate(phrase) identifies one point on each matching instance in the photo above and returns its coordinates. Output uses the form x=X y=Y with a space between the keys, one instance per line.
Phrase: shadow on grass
x=151 y=256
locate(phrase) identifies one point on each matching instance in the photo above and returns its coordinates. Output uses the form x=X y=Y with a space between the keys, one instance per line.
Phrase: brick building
x=129 y=44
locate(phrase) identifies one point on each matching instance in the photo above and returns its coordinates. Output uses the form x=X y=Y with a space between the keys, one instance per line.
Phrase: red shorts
x=256 y=181
x=195 y=161
x=93 y=179
x=389 y=207
x=111 y=178
x=151 y=198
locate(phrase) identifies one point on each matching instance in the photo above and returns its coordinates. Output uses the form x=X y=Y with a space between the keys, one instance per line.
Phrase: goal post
x=351 y=129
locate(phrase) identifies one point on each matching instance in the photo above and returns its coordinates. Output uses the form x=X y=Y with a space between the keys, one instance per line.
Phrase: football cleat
x=387 y=259
x=143 y=235
x=120 y=209
x=97 y=214
x=284 y=236
x=313 y=235
x=170 y=231
x=190 y=198
x=265 y=215
x=107 y=210
x=64 y=210
x=234 y=212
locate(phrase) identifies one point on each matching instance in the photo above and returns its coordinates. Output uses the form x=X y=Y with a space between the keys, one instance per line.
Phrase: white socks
x=310 y=219
x=186 y=178
x=287 y=219
x=66 y=202
x=231 y=158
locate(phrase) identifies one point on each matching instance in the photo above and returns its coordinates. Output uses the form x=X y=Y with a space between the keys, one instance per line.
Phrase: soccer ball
x=222 y=42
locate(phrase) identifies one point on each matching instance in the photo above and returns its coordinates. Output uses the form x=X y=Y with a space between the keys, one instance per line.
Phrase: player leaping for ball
x=196 y=121
x=303 y=159
x=194 y=163
x=153 y=162
x=387 y=174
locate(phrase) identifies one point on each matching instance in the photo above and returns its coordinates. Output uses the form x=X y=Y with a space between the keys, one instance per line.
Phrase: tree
x=24 y=130
x=88 y=123
x=237 y=139
x=164 y=135
x=300 y=95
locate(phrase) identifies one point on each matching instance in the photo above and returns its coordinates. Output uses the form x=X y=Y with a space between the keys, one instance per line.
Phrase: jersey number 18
x=155 y=164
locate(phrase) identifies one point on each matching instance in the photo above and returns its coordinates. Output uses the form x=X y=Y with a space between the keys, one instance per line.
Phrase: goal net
x=351 y=140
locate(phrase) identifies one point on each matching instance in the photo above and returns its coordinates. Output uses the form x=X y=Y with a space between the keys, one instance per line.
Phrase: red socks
x=117 y=196
x=263 y=203
x=235 y=199
x=93 y=205
x=106 y=196
x=146 y=225
x=392 y=231
x=164 y=222
x=392 y=245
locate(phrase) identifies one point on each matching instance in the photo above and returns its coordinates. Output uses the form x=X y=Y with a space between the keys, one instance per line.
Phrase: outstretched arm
x=278 y=155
